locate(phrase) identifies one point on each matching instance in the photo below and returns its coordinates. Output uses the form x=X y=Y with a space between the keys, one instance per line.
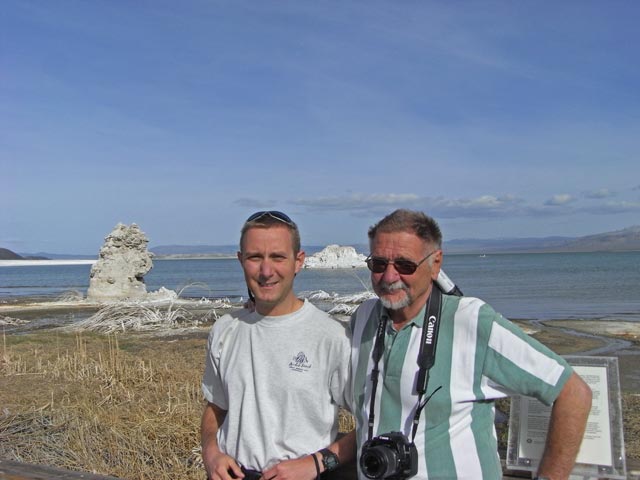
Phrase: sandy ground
x=594 y=338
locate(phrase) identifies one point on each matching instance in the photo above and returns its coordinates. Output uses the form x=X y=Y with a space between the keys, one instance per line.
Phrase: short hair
x=411 y=221
x=268 y=221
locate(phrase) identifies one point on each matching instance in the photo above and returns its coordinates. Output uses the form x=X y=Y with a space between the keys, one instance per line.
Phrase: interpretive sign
x=602 y=451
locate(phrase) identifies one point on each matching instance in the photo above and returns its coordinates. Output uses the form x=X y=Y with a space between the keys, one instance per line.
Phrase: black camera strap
x=426 y=356
x=378 y=349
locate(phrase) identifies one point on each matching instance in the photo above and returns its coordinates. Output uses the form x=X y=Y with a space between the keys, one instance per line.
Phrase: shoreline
x=46 y=262
x=39 y=263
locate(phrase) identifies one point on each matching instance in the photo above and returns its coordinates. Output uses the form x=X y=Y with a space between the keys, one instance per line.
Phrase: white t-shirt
x=281 y=380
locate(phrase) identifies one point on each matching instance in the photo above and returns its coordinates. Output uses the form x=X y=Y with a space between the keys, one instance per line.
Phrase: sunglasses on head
x=273 y=214
x=402 y=266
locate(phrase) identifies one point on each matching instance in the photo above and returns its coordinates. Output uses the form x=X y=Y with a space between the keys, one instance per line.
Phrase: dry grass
x=127 y=406
x=631 y=416
x=150 y=317
x=123 y=317
x=124 y=407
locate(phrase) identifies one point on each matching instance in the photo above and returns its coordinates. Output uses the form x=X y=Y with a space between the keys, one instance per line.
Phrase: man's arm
x=566 y=428
x=304 y=468
x=216 y=463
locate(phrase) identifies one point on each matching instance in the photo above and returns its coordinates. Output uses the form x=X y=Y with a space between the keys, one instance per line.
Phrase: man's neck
x=284 y=308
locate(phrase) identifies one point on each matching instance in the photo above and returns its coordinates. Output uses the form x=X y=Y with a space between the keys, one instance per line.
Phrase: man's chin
x=267 y=299
x=395 y=304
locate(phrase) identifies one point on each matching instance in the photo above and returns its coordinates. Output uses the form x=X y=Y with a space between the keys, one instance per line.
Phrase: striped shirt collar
x=417 y=321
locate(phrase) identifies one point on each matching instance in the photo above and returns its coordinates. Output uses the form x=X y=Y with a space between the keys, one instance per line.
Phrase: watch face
x=329 y=459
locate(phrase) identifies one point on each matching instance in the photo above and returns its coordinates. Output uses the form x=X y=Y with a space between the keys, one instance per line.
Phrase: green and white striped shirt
x=480 y=356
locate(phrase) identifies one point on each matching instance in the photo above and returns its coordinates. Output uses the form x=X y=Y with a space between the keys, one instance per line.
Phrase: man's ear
x=300 y=260
x=239 y=255
x=436 y=265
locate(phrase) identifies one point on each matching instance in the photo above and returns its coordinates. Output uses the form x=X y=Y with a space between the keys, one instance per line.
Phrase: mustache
x=392 y=287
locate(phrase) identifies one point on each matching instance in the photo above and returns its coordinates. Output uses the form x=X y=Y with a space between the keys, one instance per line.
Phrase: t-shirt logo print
x=299 y=363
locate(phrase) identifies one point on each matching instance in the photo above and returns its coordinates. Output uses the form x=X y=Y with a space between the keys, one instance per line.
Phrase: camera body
x=390 y=455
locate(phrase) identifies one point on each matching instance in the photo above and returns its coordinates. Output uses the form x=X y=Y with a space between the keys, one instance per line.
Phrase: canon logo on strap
x=430 y=325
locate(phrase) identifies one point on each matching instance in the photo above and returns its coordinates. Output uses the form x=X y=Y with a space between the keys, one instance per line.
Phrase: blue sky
x=500 y=119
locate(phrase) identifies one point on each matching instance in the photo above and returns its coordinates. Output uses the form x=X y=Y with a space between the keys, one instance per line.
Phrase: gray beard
x=398 y=304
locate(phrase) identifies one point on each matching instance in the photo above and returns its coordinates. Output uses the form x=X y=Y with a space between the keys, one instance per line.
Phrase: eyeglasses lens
x=405 y=267
x=379 y=265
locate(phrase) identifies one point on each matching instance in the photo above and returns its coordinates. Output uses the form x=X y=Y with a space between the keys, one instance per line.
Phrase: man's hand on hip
x=298 y=469
x=223 y=467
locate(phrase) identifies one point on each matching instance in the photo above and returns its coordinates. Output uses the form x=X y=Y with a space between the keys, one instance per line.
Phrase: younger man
x=274 y=377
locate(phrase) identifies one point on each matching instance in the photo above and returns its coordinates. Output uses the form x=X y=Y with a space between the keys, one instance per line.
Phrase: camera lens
x=378 y=462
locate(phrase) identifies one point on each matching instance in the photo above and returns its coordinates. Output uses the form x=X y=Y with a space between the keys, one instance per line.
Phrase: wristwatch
x=329 y=460
x=540 y=478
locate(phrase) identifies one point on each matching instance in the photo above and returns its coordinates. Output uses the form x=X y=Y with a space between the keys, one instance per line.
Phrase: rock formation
x=123 y=262
x=335 y=256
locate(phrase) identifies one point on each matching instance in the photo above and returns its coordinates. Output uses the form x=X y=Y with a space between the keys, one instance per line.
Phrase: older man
x=274 y=376
x=429 y=366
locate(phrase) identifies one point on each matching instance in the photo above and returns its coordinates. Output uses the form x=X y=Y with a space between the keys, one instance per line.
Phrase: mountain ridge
x=624 y=240
x=627 y=239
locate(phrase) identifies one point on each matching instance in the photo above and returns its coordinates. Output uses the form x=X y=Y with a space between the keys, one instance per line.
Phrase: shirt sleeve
x=341 y=382
x=518 y=362
x=212 y=385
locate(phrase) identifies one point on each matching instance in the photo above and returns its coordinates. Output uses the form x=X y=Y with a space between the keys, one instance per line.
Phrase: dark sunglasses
x=402 y=266
x=273 y=214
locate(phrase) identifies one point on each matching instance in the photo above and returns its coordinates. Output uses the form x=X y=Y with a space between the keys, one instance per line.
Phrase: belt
x=248 y=474
x=251 y=474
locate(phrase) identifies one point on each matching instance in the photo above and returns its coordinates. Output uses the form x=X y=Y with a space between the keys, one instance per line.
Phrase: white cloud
x=482 y=206
x=379 y=204
x=486 y=206
x=560 y=199
x=601 y=193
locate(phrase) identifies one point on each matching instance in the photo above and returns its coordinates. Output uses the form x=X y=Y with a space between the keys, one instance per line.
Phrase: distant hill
x=6 y=254
x=624 y=240
x=502 y=245
x=56 y=256
x=627 y=239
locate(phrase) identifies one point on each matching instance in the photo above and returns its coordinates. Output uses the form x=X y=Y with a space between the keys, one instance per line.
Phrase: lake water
x=539 y=286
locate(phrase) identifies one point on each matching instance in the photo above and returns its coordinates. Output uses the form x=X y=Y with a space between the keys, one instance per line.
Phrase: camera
x=390 y=455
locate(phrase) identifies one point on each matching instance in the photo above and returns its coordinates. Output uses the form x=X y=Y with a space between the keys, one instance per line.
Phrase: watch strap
x=315 y=461
x=329 y=460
